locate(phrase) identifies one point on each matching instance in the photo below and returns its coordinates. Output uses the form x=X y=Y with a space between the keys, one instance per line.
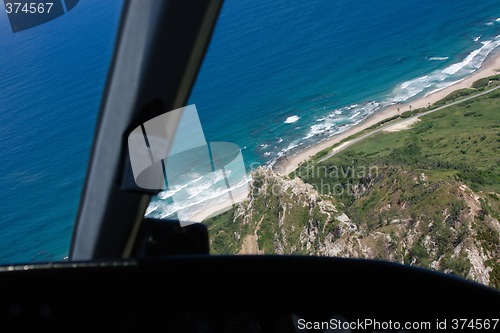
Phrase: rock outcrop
x=459 y=234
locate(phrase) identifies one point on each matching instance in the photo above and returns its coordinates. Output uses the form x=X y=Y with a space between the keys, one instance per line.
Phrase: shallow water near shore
x=279 y=78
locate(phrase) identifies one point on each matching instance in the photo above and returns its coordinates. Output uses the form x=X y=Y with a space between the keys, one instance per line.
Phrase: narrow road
x=402 y=120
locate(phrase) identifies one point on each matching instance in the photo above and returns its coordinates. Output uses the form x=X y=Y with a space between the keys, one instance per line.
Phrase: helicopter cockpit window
x=54 y=63
x=365 y=131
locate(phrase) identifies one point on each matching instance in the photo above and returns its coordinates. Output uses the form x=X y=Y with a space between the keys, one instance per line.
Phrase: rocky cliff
x=397 y=215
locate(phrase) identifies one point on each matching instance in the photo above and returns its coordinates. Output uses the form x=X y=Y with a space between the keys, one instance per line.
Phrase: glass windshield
x=52 y=74
x=366 y=129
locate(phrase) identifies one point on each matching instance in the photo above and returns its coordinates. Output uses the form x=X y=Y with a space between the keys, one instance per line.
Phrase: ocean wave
x=475 y=59
x=453 y=69
x=315 y=130
x=292 y=145
x=476 y=39
x=337 y=122
x=342 y=119
x=177 y=188
x=442 y=78
x=151 y=209
x=209 y=196
x=328 y=124
x=291 y=119
x=442 y=86
x=490 y=23
x=208 y=181
x=355 y=115
x=169 y=193
x=438 y=58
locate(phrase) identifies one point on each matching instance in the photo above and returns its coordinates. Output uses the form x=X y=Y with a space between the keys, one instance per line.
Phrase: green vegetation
x=454 y=96
x=458 y=266
x=478 y=87
x=403 y=194
x=462 y=142
x=383 y=122
x=415 y=175
x=485 y=82
x=276 y=218
x=220 y=230
x=418 y=254
x=406 y=114
x=495 y=273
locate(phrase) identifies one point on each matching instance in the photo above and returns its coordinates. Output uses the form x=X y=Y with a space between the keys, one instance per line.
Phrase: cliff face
x=396 y=215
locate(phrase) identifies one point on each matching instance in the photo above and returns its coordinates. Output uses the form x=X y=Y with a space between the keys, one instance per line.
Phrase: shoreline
x=219 y=208
x=490 y=66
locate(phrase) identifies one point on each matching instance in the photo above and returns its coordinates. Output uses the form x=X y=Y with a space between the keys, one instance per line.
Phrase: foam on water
x=169 y=193
x=442 y=78
x=197 y=197
x=335 y=122
x=291 y=119
x=453 y=69
x=355 y=115
x=209 y=181
x=439 y=58
x=322 y=116
x=442 y=86
x=340 y=120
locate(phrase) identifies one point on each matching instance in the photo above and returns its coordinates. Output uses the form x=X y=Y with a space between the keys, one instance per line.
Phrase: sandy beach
x=219 y=208
x=491 y=66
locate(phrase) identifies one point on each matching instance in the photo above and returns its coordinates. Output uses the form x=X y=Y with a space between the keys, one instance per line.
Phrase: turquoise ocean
x=278 y=76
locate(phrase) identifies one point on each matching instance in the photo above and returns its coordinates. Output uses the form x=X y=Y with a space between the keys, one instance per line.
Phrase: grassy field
x=459 y=142
x=419 y=172
x=478 y=87
x=404 y=192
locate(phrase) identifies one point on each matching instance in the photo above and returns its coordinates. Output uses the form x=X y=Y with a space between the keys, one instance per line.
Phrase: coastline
x=216 y=209
x=490 y=66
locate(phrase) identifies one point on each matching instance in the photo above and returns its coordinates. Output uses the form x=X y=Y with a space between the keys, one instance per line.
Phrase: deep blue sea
x=279 y=75
x=51 y=81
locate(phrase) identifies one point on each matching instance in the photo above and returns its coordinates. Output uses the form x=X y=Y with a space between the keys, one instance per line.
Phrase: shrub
x=406 y=114
x=458 y=266
x=481 y=83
